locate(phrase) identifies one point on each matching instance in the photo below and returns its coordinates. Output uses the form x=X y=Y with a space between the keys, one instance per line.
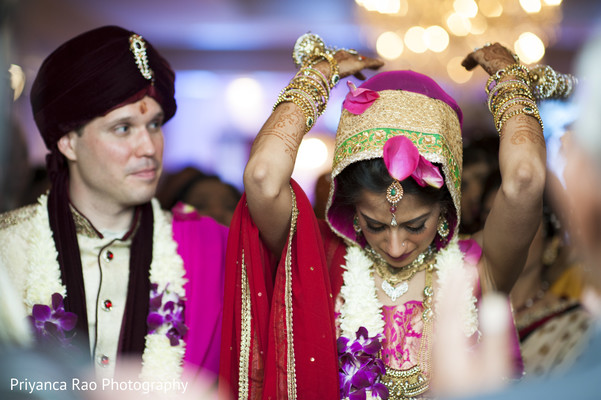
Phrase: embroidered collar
x=83 y=226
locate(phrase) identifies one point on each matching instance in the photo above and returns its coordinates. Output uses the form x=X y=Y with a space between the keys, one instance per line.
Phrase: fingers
x=469 y=62
x=352 y=63
x=375 y=63
x=496 y=343
x=453 y=360
x=472 y=60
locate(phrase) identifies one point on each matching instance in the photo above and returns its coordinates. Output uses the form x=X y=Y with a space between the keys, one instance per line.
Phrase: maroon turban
x=92 y=74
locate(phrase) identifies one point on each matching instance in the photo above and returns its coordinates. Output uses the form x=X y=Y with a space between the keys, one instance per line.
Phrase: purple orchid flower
x=51 y=323
x=166 y=308
x=360 y=368
x=365 y=344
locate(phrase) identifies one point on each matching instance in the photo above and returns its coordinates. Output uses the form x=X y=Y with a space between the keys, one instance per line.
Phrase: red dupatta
x=278 y=335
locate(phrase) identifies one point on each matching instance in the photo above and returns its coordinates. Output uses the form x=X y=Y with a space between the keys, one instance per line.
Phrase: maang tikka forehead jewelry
x=394 y=194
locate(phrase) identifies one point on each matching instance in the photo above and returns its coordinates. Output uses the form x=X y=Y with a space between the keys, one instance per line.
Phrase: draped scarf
x=278 y=336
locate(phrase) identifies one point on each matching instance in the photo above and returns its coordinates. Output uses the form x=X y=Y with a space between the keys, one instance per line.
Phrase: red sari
x=278 y=336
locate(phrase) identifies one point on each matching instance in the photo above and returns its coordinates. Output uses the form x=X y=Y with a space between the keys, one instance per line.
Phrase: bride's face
x=416 y=226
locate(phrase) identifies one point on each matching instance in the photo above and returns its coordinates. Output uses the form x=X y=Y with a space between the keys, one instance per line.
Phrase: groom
x=96 y=259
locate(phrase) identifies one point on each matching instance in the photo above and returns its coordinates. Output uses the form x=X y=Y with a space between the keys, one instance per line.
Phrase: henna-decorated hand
x=351 y=63
x=491 y=57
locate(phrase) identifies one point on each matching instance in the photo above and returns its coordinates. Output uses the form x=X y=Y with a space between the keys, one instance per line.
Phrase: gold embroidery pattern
x=82 y=225
x=290 y=362
x=369 y=144
x=244 y=334
x=15 y=217
x=137 y=45
x=407 y=111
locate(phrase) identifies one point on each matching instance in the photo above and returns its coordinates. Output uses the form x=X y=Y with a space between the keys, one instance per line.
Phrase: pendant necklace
x=395 y=281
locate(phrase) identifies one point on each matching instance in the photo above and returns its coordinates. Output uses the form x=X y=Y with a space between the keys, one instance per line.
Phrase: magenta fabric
x=403 y=331
x=403 y=160
x=411 y=81
x=201 y=242
x=358 y=100
x=471 y=249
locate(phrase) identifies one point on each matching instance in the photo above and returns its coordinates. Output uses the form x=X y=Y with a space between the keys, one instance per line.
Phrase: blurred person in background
x=479 y=160
x=207 y=194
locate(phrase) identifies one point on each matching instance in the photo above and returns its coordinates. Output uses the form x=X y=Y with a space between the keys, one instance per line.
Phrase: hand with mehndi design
x=350 y=63
x=491 y=57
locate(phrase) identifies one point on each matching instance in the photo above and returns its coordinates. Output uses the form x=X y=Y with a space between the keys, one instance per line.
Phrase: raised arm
x=273 y=153
x=517 y=209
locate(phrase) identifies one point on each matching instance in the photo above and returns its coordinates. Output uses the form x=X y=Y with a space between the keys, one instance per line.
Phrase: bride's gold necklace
x=395 y=280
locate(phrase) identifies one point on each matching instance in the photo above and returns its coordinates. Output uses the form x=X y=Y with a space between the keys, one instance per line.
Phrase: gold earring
x=356 y=225
x=357 y=228
x=443 y=226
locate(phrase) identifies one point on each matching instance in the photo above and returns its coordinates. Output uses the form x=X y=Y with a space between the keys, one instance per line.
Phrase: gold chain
x=394 y=276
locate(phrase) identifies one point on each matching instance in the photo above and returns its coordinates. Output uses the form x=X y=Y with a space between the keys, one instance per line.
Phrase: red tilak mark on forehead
x=143 y=107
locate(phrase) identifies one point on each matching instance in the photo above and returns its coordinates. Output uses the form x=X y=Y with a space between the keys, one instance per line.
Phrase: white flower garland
x=361 y=306
x=160 y=360
x=451 y=259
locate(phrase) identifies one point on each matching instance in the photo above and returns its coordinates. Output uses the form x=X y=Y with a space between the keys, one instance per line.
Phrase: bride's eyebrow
x=416 y=219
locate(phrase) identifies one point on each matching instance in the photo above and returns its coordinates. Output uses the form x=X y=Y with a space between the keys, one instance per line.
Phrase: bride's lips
x=400 y=258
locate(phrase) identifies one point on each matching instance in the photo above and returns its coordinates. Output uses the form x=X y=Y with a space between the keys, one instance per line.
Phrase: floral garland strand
x=362 y=328
x=361 y=306
x=362 y=325
x=451 y=258
x=162 y=359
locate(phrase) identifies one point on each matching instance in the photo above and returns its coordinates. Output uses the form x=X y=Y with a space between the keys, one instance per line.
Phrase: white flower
x=361 y=305
x=451 y=259
x=161 y=361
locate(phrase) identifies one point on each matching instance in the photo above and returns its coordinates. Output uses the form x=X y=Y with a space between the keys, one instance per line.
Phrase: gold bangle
x=334 y=72
x=299 y=97
x=313 y=84
x=506 y=95
x=531 y=111
x=517 y=70
x=505 y=87
x=318 y=94
x=304 y=103
x=314 y=71
x=512 y=102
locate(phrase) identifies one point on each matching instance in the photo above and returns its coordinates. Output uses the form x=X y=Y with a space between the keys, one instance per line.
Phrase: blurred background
x=232 y=57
